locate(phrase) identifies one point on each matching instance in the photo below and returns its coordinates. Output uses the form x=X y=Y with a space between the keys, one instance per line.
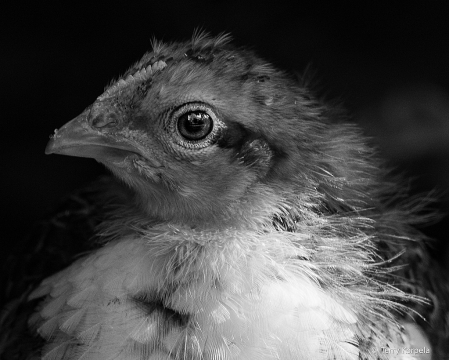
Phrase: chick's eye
x=195 y=125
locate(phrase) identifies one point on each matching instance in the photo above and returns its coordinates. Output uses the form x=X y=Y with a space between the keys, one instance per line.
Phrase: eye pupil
x=195 y=125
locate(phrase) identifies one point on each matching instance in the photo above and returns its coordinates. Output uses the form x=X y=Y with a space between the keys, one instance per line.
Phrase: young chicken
x=255 y=224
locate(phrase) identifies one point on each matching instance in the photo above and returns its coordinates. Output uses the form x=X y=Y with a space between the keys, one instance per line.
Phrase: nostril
x=104 y=121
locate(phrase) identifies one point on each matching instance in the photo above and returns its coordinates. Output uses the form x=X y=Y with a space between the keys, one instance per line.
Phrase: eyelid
x=192 y=107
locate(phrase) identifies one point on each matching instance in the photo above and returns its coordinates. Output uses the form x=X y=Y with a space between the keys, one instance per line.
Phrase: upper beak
x=79 y=138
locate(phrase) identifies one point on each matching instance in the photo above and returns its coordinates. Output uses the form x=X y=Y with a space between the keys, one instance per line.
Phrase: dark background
x=389 y=64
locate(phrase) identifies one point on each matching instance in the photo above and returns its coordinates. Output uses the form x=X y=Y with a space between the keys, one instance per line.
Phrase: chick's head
x=204 y=131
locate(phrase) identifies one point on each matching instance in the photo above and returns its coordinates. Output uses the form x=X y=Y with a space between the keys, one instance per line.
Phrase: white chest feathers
x=157 y=297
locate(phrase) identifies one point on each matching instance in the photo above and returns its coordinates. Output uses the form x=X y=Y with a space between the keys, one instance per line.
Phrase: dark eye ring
x=195 y=125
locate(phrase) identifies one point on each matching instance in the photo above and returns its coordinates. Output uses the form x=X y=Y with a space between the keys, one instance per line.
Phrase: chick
x=257 y=223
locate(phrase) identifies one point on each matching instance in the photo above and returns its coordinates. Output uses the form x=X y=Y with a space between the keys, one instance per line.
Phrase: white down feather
x=245 y=296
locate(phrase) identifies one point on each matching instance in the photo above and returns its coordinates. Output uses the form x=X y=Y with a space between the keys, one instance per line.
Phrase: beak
x=79 y=138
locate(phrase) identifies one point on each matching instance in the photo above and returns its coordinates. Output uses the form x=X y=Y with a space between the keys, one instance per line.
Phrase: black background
x=388 y=62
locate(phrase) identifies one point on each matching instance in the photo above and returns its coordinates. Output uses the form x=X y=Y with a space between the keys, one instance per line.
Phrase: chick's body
x=252 y=230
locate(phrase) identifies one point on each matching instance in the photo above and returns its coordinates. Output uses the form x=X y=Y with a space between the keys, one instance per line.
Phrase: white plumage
x=241 y=309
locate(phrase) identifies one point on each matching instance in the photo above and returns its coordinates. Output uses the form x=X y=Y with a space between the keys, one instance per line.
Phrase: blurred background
x=389 y=65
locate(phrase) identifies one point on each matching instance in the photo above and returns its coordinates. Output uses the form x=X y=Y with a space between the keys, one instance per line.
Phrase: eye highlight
x=195 y=125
